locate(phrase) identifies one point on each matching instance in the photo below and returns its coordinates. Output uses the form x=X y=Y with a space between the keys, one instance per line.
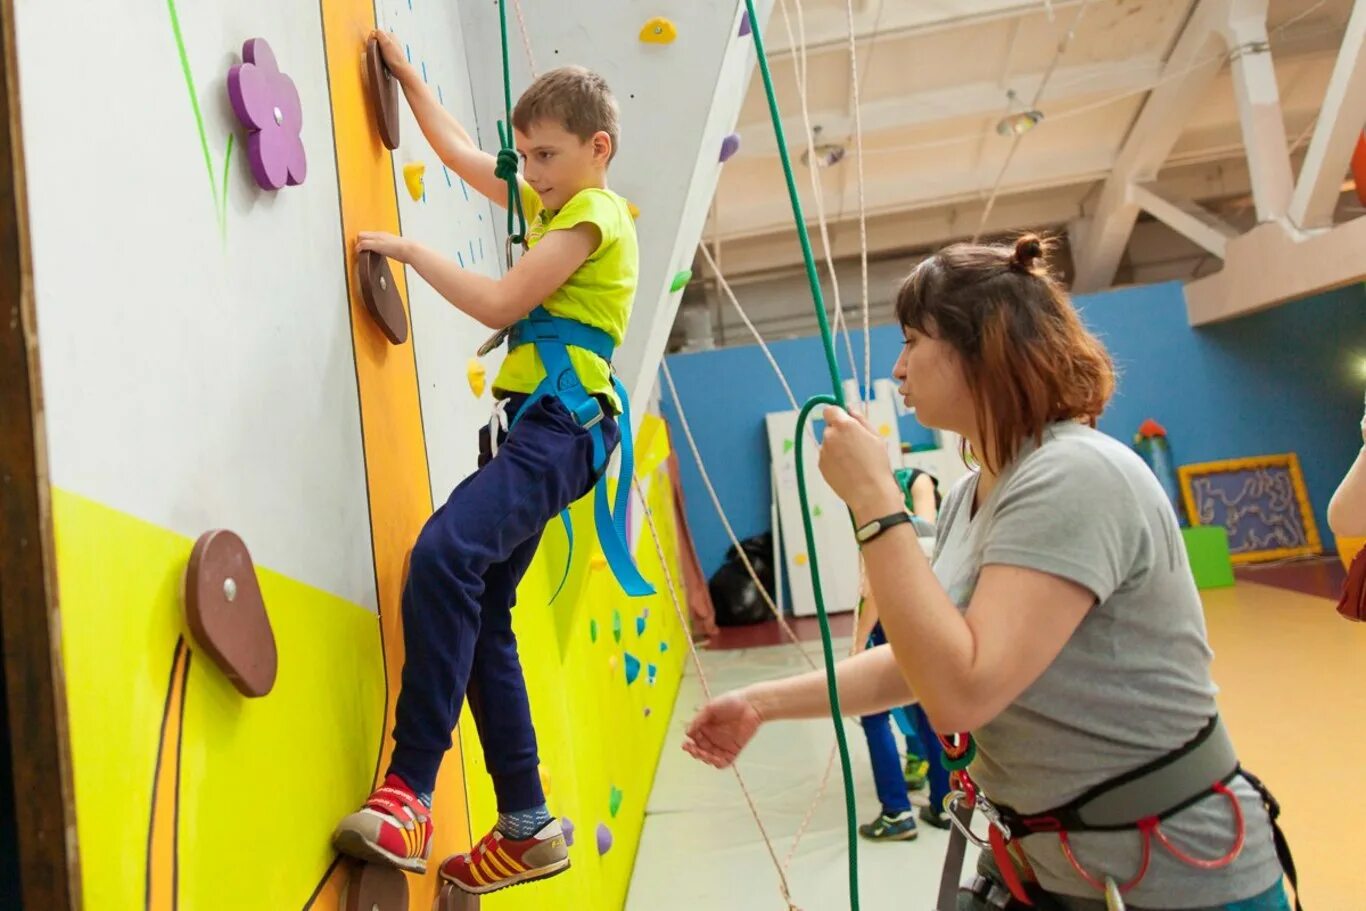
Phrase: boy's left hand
x=385 y=244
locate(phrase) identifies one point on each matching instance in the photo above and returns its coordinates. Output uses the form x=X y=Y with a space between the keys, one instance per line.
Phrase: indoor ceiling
x=940 y=79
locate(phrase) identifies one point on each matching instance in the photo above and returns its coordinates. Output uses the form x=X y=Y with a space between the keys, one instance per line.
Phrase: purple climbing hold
x=744 y=24
x=729 y=146
x=604 y=838
x=567 y=826
x=267 y=103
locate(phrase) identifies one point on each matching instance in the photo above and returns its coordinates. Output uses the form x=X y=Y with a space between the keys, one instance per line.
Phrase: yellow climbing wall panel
x=594 y=733
x=249 y=785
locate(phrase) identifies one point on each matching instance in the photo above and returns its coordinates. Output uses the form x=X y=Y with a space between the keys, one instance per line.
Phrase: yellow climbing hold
x=658 y=31
x=476 y=374
x=545 y=781
x=633 y=209
x=800 y=559
x=412 y=177
x=884 y=430
x=597 y=562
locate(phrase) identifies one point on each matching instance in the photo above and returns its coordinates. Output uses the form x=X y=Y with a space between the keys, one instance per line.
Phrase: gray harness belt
x=1146 y=795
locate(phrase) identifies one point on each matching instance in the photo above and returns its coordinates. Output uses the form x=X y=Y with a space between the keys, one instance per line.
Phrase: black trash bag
x=737 y=599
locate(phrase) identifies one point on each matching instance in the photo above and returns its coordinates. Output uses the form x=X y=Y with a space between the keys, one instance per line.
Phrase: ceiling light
x=1017 y=123
x=824 y=154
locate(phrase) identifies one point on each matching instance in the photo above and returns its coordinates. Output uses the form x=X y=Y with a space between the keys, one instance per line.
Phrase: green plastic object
x=681 y=280
x=593 y=630
x=1207 y=551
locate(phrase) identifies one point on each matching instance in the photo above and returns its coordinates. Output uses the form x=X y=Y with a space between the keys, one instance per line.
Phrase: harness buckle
x=975 y=802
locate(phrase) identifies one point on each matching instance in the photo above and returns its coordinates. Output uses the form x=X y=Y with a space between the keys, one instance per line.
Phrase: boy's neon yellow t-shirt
x=599 y=293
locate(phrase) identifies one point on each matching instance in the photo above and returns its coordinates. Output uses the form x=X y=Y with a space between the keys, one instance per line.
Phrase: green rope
x=506 y=168
x=837 y=400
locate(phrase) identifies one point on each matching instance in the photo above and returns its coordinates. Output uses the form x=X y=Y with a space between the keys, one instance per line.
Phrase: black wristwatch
x=866 y=533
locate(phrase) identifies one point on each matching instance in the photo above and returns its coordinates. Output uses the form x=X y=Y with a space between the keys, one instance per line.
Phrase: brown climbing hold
x=379 y=293
x=383 y=90
x=225 y=614
x=375 y=887
x=455 y=899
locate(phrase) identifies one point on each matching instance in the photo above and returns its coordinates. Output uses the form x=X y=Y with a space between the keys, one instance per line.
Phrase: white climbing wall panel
x=678 y=102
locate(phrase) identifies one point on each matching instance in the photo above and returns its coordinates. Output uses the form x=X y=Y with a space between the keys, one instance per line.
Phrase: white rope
x=781 y=868
x=721 y=513
x=797 y=49
x=857 y=106
x=526 y=40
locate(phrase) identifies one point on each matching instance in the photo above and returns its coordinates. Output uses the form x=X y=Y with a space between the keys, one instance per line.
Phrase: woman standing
x=1058 y=622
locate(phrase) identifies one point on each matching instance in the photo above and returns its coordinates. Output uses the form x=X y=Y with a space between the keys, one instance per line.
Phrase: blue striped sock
x=523 y=823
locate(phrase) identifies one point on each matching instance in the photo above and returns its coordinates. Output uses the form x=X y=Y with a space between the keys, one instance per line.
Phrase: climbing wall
x=208 y=362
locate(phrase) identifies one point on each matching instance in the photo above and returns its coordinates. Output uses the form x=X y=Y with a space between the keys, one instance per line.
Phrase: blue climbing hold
x=632 y=668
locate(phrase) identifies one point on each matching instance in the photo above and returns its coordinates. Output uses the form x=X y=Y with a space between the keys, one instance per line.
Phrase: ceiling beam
x=960 y=102
x=1187 y=218
x=1259 y=108
x=1340 y=123
x=1099 y=239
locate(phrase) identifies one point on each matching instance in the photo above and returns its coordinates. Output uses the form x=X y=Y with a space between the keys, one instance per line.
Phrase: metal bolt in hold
x=229 y=589
x=279 y=116
x=383 y=283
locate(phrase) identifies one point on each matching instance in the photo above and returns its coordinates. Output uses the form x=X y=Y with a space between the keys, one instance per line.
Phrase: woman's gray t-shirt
x=1131 y=685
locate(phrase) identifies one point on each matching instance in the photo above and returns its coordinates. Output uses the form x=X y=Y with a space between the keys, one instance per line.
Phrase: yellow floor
x=1293 y=679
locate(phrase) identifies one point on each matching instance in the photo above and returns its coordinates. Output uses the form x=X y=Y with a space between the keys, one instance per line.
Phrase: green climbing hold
x=614 y=800
x=616 y=625
x=816 y=512
x=680 y=280
x=593 y=630
x=787 y=446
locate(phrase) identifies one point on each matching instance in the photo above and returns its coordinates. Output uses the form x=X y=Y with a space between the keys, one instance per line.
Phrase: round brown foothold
x=454 y=899
x=375 y=887
x=380 y=295
x=225 y=614
x=383 y=91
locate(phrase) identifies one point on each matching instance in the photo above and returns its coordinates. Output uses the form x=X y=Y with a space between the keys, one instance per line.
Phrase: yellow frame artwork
x=1289 y=461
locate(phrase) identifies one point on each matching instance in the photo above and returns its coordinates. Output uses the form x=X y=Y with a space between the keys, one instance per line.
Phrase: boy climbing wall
x=567 y=302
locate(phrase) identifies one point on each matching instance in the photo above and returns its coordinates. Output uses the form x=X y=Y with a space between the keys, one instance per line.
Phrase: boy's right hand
x=392 y=52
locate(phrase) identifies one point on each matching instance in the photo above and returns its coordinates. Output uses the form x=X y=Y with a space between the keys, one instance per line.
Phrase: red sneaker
x=497 y=862
x=394 y=827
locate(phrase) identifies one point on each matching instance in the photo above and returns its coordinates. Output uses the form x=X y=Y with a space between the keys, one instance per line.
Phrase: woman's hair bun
x=1028 y=249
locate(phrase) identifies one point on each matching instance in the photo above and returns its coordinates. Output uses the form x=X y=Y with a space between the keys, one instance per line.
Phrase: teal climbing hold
x=680 y=280
x=632 y=668
x=663 y=647
x=650 y=671
x=640 y=626
x=616 y=625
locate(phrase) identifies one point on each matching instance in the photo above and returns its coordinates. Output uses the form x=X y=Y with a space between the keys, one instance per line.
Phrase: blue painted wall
x=1287 y=379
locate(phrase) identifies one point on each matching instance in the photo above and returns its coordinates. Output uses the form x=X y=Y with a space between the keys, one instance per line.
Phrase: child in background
x=896 y=822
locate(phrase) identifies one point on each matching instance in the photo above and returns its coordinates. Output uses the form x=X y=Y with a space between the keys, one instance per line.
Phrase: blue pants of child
x=886 y=759
x=457 y=603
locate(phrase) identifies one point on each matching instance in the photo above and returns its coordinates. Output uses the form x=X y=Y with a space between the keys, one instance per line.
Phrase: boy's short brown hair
x=576 y=98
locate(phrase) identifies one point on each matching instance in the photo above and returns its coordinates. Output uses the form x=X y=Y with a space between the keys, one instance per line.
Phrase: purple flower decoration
x=267 y=103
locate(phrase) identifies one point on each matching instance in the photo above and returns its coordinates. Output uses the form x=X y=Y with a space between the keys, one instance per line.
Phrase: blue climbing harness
x=553 y=336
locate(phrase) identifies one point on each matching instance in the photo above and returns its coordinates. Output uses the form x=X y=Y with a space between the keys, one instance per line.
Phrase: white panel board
x=193 y=378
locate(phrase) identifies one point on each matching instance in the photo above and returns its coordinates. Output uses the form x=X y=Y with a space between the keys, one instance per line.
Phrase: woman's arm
x=1347 y=509
x=868 y=682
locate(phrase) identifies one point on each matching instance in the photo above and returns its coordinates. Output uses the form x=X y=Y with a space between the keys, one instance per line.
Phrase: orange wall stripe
x=391 y=418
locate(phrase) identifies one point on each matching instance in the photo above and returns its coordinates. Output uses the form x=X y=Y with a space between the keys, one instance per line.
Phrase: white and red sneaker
x=497 y=862
x=394 y=827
